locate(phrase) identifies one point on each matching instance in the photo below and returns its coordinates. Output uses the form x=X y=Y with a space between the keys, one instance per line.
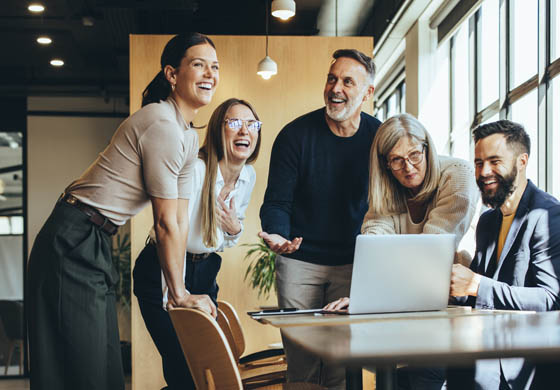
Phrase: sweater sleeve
x=455 y=203
x=376 y=224
x=276 y=209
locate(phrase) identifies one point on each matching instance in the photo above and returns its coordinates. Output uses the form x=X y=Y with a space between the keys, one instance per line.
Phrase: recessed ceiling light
x=44 y=40
x=36 y=7
x=57 y=62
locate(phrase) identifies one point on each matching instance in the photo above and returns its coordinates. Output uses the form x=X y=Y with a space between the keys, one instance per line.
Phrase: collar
x=178 y=114
x=243 y=176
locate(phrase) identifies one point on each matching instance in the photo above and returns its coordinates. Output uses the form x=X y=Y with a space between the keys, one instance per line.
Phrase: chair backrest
x=235 y=325
x=206 y=350
x=224 y=324
x=11 y=315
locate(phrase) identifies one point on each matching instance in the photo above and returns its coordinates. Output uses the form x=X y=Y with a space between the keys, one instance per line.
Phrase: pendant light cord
x=336 y=18
x=266 y=12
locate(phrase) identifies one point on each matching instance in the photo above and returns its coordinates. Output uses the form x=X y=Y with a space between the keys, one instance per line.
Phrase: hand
x=463 y=281
x=279 y=244
x=227 y=217
x=340 y=304
x=193 y=301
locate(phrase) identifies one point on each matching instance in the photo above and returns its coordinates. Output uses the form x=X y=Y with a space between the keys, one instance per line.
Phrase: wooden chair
x=209 y=355
x=273 y=356
x=252 y=375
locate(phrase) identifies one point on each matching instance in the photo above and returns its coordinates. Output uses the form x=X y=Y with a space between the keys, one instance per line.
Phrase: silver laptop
x=403 y=272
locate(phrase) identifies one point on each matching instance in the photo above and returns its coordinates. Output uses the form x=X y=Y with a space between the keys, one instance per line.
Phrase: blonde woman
x=412 y=190
x=221 y=190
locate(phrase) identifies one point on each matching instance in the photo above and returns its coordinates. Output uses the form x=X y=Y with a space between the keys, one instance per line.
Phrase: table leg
x=353 y=379
x=385 y=378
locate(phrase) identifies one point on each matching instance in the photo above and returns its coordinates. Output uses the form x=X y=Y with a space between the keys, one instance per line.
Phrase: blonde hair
x=212 y=152
x=386 y=195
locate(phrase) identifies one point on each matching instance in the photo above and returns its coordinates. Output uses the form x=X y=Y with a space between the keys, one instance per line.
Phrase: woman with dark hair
x=221 y=189
x=73 y=331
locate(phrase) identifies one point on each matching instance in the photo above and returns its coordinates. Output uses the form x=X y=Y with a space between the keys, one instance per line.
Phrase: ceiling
x=91 y=36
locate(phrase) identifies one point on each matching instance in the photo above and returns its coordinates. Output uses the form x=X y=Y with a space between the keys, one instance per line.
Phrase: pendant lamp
x=267 y=67
x=283 y=9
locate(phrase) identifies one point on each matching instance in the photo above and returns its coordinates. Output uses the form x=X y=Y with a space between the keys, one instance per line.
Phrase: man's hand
x=192 y=301
x=463 y=281
x=279 y=244
x=227 y=217
x=340 y=304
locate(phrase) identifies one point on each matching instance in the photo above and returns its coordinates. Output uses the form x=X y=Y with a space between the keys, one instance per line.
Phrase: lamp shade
x=267 y=68
x=283 y=9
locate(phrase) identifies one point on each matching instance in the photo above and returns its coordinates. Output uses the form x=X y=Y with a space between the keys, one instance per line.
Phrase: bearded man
x=316 y=200
x=517 y=259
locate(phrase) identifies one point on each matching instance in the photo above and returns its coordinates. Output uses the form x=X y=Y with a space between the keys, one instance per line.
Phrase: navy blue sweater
x=318 y=187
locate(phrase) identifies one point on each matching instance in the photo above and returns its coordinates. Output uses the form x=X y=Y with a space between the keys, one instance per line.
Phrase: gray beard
x=347 y=111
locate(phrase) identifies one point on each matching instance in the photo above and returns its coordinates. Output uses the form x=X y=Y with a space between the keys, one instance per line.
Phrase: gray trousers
x=310 y=286
x=72 y=318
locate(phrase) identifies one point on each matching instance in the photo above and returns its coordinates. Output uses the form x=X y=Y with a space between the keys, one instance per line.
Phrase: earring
x=172 y=87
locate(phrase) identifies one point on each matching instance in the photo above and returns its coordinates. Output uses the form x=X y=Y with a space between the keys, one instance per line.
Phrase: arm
x=171 y=226
x=543 y=260
x=276 y=210
x=455 y=203
x=376 y=224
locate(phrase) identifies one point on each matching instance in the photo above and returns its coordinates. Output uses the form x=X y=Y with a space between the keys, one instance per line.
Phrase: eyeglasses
x=236 y=124
x=414 y=158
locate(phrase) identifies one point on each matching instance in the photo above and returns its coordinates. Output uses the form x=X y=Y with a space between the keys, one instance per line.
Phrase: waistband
x=95 y=216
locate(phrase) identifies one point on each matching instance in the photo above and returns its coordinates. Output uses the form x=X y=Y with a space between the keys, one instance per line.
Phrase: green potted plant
x=261 y=270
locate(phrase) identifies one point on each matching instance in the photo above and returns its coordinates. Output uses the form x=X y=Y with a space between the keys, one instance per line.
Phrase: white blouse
x=241 y=194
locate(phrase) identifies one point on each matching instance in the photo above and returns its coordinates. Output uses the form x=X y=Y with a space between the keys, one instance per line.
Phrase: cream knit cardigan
x=451 y=210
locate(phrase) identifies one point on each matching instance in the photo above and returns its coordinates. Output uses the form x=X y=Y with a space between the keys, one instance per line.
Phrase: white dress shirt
x=241 y=194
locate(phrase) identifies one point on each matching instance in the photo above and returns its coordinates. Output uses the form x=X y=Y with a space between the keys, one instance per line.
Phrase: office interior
x=452 y=64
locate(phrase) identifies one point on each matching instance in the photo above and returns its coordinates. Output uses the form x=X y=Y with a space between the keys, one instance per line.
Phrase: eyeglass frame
x=246 y=122
x=407 y=159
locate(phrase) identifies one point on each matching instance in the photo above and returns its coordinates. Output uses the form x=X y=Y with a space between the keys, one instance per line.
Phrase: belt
x=95 y=216
x=194 y=257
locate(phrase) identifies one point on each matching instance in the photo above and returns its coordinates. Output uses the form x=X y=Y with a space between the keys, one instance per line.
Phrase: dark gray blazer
x=525 y=277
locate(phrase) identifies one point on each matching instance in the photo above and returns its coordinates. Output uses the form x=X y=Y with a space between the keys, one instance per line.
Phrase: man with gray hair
x=316 y=200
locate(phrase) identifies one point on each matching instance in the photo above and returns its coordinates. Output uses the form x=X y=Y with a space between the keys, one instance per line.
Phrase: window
x=555 y=29
x=556 y=137
x=523 y=40
x=525 y=111
x=489 y=43
x=460 y=134
x=487 y=86
x=392 y=100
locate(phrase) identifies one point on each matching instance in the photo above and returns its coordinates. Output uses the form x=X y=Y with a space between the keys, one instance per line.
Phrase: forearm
x=493 y=294
x=171 y=248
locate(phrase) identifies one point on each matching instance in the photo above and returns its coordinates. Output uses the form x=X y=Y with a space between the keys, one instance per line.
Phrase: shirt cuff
x=484 y=296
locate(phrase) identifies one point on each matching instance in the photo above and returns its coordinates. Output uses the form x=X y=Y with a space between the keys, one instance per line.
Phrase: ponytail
x=158 y=90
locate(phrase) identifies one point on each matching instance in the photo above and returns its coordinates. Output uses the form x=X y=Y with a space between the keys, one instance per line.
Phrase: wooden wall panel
x=303 y=63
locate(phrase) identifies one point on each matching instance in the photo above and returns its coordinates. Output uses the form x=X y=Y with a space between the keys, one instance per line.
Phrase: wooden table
x=451 y=337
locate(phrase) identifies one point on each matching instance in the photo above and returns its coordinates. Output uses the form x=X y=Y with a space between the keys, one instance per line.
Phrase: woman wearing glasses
x=412 y=190
x=221 y=189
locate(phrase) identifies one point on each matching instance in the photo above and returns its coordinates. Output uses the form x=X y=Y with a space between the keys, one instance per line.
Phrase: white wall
x=59 y=149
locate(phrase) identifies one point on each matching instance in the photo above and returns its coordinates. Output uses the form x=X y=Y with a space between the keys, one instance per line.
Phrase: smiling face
x=239 y=144
x=410 y=176
x=347 y=87
x=496 y=169
x=197 y=76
